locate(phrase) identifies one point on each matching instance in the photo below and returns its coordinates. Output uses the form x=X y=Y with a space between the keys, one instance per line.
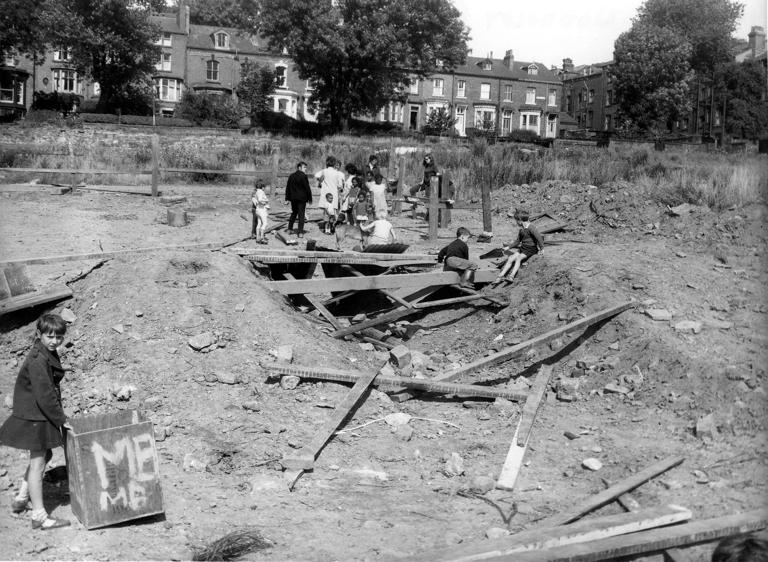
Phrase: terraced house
x=495 y=96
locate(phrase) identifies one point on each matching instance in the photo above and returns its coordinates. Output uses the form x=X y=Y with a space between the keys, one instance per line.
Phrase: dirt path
x=379 y=492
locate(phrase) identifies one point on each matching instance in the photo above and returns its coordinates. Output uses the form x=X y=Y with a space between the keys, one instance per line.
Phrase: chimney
x=756 y=40
x=509 y=58
x=567 y=65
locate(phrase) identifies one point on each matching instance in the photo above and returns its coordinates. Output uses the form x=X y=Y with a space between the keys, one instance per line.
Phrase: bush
x=522 y=135
x=56 y=101
x=211 y=109
x=98 y=118
x=136 y=120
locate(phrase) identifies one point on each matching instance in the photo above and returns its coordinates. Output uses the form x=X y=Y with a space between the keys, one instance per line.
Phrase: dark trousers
x=298 y=209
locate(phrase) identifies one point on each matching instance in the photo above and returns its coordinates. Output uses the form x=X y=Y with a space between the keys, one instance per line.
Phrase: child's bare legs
x=513 y=262
x=34 y=477
x=259 y=229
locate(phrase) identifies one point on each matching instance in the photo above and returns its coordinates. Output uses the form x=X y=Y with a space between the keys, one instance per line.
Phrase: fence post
x=485 y=191
x=71 y=163
x=275 y=169
x=445 y=193
x=397 y=205
x=434 y=206
x=155 y=163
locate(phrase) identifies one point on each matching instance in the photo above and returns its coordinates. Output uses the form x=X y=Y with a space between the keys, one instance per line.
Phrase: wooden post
x=275 y=170
x=155 y=164
x=434 y=210
x=485 y=190
x=177 y=217
x=390 y=156
x=445 y=193
x=397 y=205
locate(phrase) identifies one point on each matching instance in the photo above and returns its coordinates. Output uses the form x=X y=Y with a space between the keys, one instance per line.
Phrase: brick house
x=588 y=96
x=484 y=94
x=13 y=87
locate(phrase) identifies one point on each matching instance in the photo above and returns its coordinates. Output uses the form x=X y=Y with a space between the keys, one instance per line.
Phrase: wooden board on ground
x=513 y=462
x=651 y=541
x=546 y=223
x=609 y=495
x=427 y=385
x=581 y=532
x=286 y=241
x=516 y=350
x=5 y=290
x=427 y=258
x=17 y=279
x=114 y=254
x=29 y=300
x=329 y=285
x=304 y=459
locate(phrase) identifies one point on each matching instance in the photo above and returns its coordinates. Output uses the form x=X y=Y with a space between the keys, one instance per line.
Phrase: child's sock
x=23 y=494
x=39 y=515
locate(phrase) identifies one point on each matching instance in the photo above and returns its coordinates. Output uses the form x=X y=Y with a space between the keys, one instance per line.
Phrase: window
x=590 y=119
x=62 y=54
x=280 y=76
x=485 y=118
x=164 y=40
x=164 y=62
x=212 y=70
x=437 y=87
x=552 y=98
x=11 y=90
x=530 y=96
x=392 y=112
x=568 y=103
x=66 y=80
x=532 y=69
x=508 y=92
x=221 y=40
x=529 y=121
x=485 y=91
x=96 y=89
x=461 y=89
x=591 y=97
x=414 y=87
x=609 y=97
x=608 y=123
x=487 y=65
x=169 y=89
x=506 y=121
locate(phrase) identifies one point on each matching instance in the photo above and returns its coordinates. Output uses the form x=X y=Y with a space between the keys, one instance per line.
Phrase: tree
x=112 y=42
x=224 y=13
x=23 y=25
x=652 y=76
x=257 y=83
x=707 y=25
x=746 y=109
x=439 y=122
x=361 y=54
x=205 y=107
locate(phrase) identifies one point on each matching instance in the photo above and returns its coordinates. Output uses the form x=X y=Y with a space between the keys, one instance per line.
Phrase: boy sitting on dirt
x=528 y=243
x=455 y=257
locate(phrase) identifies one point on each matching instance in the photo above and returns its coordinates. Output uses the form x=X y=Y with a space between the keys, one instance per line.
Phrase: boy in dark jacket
x=455 y=257
x=298 y=193
x=528 y=243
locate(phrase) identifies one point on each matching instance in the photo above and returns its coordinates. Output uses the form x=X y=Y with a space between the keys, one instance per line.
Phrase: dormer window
x=280 y=76
x=221 y=40
x=532 y=69
x=487 y=65
x=62 y=54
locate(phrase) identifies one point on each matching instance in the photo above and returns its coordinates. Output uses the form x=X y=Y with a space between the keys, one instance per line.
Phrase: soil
x=379 y=492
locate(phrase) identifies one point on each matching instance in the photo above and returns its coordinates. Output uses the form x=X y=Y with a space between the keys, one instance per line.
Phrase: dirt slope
x=378 y=492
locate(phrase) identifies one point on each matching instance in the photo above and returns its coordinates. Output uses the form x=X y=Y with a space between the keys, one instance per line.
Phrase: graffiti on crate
x=123 y=471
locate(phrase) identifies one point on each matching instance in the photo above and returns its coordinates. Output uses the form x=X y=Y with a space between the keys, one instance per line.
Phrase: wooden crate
x=113 y=469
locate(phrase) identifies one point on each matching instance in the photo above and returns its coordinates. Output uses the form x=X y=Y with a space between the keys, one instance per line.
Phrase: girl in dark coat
x=38 y=419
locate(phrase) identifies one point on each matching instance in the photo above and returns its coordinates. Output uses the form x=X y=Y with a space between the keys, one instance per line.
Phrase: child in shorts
x=528 y=243
x=260 y=210
x=38 y=420
x=328 y=204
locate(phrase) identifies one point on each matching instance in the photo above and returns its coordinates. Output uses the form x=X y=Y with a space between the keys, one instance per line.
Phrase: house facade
x=493 y=96
x=588 y=96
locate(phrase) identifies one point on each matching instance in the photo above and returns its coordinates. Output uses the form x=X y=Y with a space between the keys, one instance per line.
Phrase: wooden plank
x=304 y=458
x=427 y=258
x=114 y=254
x=329 y=285
x=516 y=350
x=155 y=147
x=513 y=462
x=454 y=300
x=18 y=281
x=427 y=385
x=609 y=495
x=5 y=290
x=581 y=532
x=434 y=183
x=650 y=541
x=394 y=296
x=29 y=300
x=319 y=306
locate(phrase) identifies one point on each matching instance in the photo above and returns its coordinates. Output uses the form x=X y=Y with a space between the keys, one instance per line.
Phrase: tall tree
x=708 y=26
x=361 y=54
x=742 y=87
x=257 y=83
x=112 y=41
x=25 y=24
x=224 y=13
x=652 y=76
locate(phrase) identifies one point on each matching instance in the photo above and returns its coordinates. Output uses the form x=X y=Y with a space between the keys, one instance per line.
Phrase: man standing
x=298 y=193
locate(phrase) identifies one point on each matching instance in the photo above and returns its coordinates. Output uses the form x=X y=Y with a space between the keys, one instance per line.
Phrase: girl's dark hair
x=357 y=181
x=351 y=169
x=330 y=162
x=51 y=323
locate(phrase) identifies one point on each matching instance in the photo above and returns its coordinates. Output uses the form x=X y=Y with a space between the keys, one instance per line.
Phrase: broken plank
x=5 y=290
x=609 y=495
x=428 y=385
x=516 y=350
x=328 y=285
x=304 y=458
x=453 y=300
x=513 y=462
x=539 y=539
x=422 y=258
x=319 y=307
x=401 y=301
x=29 y=300
x=650 y=541
x=114 y=254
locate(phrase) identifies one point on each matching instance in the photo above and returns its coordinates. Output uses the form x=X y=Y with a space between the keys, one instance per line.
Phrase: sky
x=548 y=31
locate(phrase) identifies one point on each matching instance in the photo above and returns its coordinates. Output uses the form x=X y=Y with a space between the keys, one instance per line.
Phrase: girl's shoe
x=19 y=506
x=50 y=523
